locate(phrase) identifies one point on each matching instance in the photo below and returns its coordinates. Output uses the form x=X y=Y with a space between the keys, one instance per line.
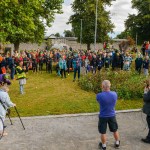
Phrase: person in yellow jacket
x=21 y=76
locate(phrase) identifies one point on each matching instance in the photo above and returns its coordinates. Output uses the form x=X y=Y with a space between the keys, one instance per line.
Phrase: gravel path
x=73 y=133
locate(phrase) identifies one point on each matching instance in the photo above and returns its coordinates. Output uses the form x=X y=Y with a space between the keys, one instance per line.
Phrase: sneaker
x=117 y=145
x=146 y=140
x=101 y=146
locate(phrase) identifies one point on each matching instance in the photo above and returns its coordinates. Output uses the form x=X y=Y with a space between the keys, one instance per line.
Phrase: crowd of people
x=66 y=61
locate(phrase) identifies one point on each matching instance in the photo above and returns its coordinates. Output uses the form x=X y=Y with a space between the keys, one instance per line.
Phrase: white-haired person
x=5 y=104
x=107 y=100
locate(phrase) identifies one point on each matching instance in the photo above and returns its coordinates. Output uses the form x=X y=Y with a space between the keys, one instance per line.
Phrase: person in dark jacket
x=146 y=108
x=49 y=64
x=11 y=66
x=94 y=64
x=107 y=62
x=69 y=63
x=146 y=66
x=99 y=64
x=138 y=63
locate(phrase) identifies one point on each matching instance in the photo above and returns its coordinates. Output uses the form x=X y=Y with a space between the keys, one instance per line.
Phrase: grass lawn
x=48 y=94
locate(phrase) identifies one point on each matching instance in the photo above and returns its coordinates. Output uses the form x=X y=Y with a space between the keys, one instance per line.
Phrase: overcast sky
x=119 y=12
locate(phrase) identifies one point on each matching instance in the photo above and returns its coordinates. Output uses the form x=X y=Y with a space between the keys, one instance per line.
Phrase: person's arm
x=146 y=96
x=8 y=102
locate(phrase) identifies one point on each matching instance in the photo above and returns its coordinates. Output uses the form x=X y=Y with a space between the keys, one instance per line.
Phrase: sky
x=119 y=13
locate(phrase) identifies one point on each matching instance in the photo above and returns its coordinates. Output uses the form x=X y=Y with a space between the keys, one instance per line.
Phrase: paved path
x=72 y=133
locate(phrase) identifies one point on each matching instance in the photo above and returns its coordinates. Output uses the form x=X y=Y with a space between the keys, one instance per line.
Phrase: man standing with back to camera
x=146 y=109
x=107 y=101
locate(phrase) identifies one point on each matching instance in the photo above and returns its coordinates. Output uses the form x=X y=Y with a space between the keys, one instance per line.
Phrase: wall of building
x=73 y=44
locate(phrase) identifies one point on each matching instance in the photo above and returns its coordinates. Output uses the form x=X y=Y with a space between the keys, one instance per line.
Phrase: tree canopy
x=85 y=10
x=68 y=33
x=25 y=20
x=139 y=24
x=57 y=34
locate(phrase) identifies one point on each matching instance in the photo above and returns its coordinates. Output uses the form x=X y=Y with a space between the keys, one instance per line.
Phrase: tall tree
x=85 y=10
x=139 y=24
x=25 y=20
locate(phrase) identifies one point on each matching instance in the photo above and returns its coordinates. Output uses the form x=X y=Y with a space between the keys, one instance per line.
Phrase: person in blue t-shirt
x=107 y=100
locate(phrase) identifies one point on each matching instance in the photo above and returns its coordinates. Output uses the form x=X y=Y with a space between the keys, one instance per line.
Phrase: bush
x=128 y=85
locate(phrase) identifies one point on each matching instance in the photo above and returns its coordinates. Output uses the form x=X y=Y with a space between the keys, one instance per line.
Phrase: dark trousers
x=75 y=71
x=12 y=73
x=49 y=68
x=63 y=73
x=94 y=70
x=148 y=123
x=121 y=65
x=138 y=69
x=40 y=67
x=68 y=66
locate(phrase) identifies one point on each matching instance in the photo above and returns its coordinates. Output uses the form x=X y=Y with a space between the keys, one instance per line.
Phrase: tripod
x=18 y=116
x=1 y=128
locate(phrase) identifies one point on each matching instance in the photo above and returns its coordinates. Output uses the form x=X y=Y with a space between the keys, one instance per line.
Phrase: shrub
x=128 y=85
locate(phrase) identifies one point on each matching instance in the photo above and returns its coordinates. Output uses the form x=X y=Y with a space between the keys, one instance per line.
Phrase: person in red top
x=147 y=48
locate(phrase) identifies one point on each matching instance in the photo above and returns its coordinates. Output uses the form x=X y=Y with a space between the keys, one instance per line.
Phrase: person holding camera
x=107 y=100
x=5 y=103
x=146 y=109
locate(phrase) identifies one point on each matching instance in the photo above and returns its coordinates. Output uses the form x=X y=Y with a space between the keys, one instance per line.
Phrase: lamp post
x=81 y=36
x=136 y=39
x=95 y=26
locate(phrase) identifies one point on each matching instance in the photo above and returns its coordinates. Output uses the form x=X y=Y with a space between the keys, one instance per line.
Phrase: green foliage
x=68 y=33
x=47 y=94
x=140 y=23
x=25 y=20
x=57 y=34
x=85 y=10
x=123 y=35
x=128 y=85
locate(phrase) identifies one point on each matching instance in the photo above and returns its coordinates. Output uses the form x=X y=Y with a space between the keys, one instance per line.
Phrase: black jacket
x=146 y=106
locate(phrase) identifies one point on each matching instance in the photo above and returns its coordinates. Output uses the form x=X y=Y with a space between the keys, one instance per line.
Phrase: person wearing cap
x=107 y=100
x=4 y=79
x=21 y=76
x=5 y=103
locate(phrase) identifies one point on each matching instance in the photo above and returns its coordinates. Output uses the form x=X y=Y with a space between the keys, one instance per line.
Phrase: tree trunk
x=16 y=46
x=88 y=46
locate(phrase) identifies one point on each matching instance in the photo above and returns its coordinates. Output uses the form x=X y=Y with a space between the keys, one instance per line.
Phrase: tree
x=123 y=35
x=85 y=10
x=139 y=24
x=25 y=20
x=68 y=33
x=57 y=35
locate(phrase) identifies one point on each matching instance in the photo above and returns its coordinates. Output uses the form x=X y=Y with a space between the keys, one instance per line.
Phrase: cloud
x=59 y=24
x=120 y=10
x=119 y=13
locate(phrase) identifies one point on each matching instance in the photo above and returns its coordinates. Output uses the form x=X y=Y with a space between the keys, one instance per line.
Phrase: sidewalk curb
x=75 y=115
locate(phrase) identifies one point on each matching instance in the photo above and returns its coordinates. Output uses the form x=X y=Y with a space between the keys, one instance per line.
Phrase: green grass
x=48 y=95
